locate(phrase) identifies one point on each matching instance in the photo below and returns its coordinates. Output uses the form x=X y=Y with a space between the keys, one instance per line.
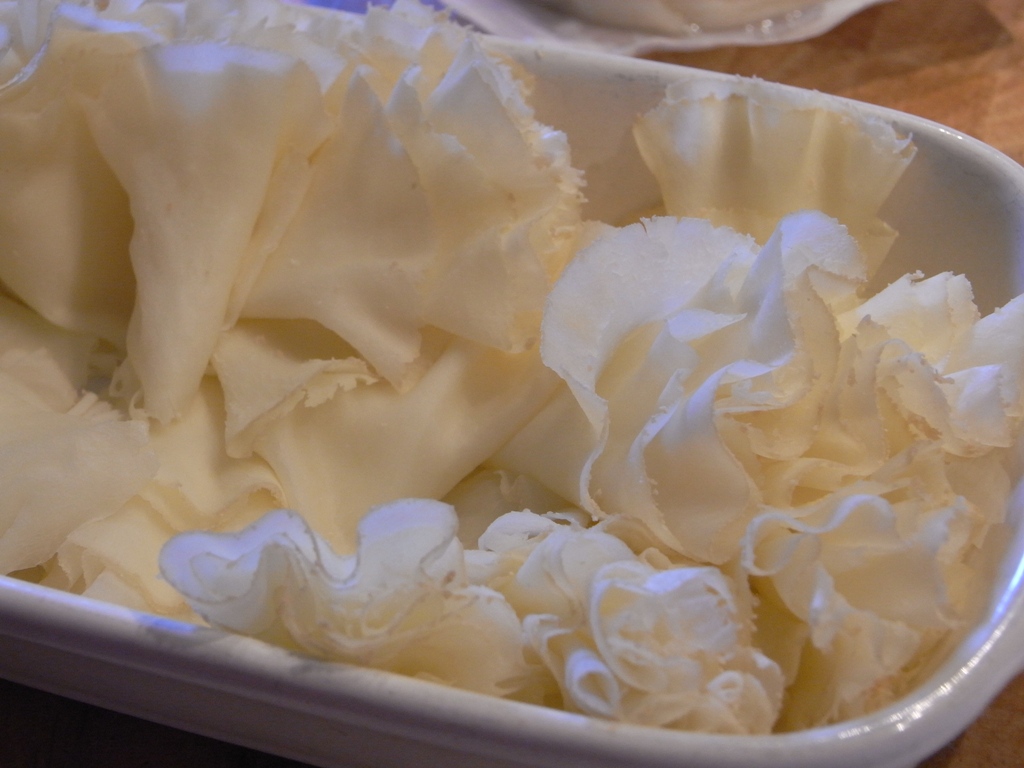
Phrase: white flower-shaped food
x=663 y=648
x=402 y=603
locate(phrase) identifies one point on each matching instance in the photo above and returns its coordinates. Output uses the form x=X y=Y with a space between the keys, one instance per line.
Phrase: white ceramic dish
x=545 y=20
x=960 y=207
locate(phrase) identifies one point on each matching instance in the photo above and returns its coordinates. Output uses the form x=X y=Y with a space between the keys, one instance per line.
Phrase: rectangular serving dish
x=960 y=207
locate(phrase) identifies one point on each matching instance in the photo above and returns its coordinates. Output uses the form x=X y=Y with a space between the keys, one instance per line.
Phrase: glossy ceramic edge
x=387 y=707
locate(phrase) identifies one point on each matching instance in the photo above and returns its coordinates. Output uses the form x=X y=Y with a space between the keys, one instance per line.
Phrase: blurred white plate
x=960 y=206
x=532 y=20
x=552 y=20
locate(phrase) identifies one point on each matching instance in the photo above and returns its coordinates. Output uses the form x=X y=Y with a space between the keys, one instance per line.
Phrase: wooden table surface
x=959 y=62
